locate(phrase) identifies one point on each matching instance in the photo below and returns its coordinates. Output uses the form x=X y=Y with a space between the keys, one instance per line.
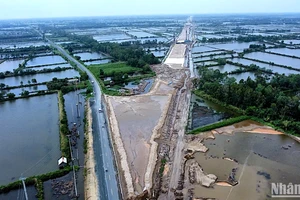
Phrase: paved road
x=105 y=170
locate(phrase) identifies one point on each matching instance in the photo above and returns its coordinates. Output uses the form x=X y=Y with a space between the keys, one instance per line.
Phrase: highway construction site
x=148 y=130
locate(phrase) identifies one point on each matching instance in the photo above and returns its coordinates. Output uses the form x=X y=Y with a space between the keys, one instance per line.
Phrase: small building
x=62 y=162
x=74 y=80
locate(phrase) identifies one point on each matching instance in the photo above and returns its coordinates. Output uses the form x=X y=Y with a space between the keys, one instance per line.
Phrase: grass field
x=109 y=68
x=121 y=68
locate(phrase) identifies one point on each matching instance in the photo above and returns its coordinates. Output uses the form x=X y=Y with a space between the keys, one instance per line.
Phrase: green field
x=120 y=68
x=109 y=68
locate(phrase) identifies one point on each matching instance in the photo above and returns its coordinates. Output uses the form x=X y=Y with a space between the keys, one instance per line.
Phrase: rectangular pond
x=202 y=48
x=29 y=134
x=18 y=91
x=234 y=46
x=10 y=65
x=286 y=51
x=159 y=53
x=208 y=53
x=16 y=81
x=45 y=60
x=281 y=60
x=275 y=69
x=90 y=55
x=225 y=68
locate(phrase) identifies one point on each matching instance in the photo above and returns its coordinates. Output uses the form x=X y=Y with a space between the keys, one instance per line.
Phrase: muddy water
x=204 y=112
x=260 y=158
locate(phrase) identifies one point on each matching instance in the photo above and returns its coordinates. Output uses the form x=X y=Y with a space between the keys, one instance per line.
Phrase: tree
x=1 y=96
x=101 y=72
x=21 y=83
x=33 y=80
x=2 y=85
x=221 y=61
x=11 y=95
x=25 y=93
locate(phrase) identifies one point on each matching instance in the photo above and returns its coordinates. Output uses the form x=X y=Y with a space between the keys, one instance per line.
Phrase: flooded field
x=10 y=65
x=286 y=51
x=275 y=69
x=44 y=60
x=281 y=60
x=225 y=68
x=235 y=46
x=89 y=55
x=19 y=194
x=291 y=41
x=18 y=91
x=71 y=99
x=135 y=86
x=28 y=146
x=157 y=53
x=244 y=76
x=201 y=48
x=15 y=81
x=259 y=161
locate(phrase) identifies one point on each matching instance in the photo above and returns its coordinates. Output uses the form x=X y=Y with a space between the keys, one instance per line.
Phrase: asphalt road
x=105 y=169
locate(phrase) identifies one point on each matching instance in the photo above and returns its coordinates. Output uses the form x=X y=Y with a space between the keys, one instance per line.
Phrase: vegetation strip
x=220 y=124
x=63 y=127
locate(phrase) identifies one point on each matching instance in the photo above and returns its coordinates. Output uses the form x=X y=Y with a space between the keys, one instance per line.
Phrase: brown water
x=260 y=158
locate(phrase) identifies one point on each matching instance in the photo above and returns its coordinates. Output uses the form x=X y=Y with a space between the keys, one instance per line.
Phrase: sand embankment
x=117 y=140
x=153 y=151
x=265 y=131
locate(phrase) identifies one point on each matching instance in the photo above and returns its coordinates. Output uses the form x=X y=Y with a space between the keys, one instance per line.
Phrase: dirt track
x=90 y=181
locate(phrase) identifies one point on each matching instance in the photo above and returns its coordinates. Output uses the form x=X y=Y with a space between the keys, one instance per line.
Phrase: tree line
x=134 y=55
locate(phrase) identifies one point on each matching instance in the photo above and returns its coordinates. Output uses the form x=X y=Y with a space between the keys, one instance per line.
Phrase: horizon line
x=146 y=15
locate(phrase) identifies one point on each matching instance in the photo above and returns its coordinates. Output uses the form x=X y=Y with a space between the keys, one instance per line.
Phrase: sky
x=17 y=9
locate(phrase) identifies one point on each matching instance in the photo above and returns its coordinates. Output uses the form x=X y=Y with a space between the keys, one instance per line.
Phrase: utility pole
x=24 y=186
x=78 y=113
